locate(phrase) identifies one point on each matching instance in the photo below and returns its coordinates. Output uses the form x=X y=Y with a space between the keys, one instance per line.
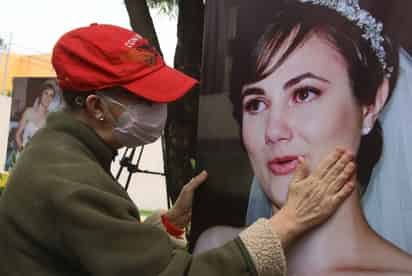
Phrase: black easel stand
x=127 y=162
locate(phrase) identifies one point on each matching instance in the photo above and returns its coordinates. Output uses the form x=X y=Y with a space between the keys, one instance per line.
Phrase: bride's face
x=306 y=107
x=47 y=97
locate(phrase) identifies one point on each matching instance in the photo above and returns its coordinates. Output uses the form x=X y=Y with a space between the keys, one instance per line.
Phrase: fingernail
x=340 y=149
x=354 y=166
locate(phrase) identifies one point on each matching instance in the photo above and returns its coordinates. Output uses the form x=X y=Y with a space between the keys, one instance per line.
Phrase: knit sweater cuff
x=265 y=248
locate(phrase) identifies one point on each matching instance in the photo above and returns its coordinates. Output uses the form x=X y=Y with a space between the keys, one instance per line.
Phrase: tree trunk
x=141 y=21
x=181 y=129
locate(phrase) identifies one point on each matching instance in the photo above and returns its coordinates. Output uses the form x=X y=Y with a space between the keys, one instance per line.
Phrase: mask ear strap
x=106 y=108
x=110 y=99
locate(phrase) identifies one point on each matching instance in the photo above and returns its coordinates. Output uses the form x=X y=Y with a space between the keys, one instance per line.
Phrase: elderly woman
x=64 y=214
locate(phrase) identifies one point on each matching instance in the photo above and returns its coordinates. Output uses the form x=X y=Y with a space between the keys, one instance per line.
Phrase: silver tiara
x=372 y=29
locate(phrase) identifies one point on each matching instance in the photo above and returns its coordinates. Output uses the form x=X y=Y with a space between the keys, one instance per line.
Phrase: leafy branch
x=164 y=6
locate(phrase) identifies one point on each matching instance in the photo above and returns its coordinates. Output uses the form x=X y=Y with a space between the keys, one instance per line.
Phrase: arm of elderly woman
x=98 y=229
x=20 y=129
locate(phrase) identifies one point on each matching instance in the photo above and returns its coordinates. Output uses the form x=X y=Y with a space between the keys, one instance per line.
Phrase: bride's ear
x=371 y=112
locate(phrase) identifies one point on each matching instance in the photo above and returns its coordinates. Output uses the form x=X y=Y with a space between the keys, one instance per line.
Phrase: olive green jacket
x=62 y=213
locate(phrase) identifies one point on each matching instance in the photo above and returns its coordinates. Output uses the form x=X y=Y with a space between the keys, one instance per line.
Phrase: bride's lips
x=283 y=165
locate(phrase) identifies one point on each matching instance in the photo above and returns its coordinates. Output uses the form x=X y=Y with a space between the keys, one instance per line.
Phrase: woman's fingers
x=343 y=193
x=344 y=176
x=196 y=181
x=301 y=172
x=327 y=163
x=180 y=214
x=339 y=167
x=185 y=198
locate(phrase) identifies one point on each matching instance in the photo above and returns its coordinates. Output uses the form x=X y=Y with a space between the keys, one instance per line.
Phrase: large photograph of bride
x=303 y=77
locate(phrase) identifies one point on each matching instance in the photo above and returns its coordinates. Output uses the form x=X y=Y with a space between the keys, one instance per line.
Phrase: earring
x=79 y=101
x=101 y=118
x=366 y=130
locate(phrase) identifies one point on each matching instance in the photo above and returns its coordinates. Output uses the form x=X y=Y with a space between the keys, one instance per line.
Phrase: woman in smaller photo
x=34 y=117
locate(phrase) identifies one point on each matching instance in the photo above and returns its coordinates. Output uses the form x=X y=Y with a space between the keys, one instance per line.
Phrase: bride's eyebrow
x=252 y=91
x=299 y=78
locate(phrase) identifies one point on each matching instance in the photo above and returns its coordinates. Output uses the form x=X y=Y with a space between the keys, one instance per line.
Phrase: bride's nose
x=277 y=127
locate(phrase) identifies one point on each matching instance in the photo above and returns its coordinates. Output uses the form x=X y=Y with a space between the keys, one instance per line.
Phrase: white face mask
x=139 y=124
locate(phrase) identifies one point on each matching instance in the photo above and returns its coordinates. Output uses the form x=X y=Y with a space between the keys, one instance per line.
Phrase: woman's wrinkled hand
x=313 y=198
x=181 y=213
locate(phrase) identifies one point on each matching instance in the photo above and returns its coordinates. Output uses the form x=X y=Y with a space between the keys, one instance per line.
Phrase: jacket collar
x=63 y=121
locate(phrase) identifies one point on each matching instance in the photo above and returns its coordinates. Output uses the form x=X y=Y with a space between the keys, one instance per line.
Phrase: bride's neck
x=334 y=241
x=42 y=108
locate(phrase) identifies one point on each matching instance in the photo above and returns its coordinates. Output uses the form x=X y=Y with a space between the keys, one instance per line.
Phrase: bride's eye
x=305 y=94
x=254 y=106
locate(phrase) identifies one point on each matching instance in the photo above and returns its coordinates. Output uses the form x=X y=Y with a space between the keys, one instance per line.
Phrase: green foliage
x=144 y=214
x=193 y=164
x=3 y=180
x=165 y=6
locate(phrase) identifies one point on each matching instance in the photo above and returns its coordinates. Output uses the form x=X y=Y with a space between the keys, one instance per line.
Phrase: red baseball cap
x=101 y=56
